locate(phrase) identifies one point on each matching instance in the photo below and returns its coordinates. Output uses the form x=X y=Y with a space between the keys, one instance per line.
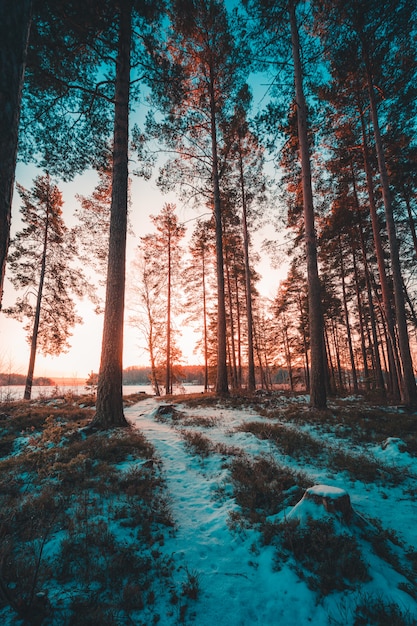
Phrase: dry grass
x=290 y=441
x=301 y=445
x=326 y=559
x=262 y=487
x=62 y=482
x=355 y=421
x=58 y=479
x=377 y=611
x=197 y=443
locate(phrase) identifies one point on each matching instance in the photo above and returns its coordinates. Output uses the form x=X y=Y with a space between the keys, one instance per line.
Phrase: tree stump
x=166 y=412
x=333 y=499
x=323 y=501
x=165 y=409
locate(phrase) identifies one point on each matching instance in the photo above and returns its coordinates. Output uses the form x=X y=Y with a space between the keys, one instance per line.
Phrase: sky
x=146 y=199
x=84 y=354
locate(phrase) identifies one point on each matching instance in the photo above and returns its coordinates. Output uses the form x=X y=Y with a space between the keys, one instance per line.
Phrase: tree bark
x=232 y=344
x=411 y=223
x=249 y=314
x=391 y=346
x=360 y=316
x=109 y=411
x=408 y=382
x=222 y=386
x=34 y=340
x=318 y=365
x=154 y=377
x=348 y=331
x=168 y=373
x=332 y=378
x=379 y=379
x=287 y=353
x=408 y=301
x=238 y=330
x=336 y=345
x=15 y=19
x=305 y=345
x=378 y=374
x=205 y=340
x=262 y=369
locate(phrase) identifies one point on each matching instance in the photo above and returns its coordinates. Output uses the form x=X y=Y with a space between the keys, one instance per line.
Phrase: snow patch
x=326 y=491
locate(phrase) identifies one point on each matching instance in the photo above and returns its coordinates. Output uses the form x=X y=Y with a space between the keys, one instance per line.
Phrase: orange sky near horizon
x=84 y=354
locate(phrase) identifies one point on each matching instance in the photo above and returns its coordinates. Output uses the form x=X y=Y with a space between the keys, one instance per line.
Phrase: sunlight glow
x=84 y=354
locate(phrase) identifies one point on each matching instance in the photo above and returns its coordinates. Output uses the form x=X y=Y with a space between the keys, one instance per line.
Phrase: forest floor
x=198 y=514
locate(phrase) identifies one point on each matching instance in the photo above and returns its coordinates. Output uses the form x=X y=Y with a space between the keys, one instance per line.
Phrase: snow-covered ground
x=220 y=564
x=239 y=585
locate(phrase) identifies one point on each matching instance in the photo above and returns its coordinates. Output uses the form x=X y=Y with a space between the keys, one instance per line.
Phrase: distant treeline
x=131 y=376
x=20 y=379
x=188 y=374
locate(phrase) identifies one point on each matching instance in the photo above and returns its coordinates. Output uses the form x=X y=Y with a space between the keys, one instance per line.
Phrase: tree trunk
x=232 y=350
x=222 y=386
x=408 y=382
x=408 y=301
x=406 y=196
x=34 y=340
x=168 y=374
x=258 y=352
x=332 y=378
x=238 y=331
x=360 y=317
x=109 y=411
x=379 y=379
x=381 y=329
x=348 y=331
x=15 y=19
x=335 y=337
x=249 y=314
x=288 y=354
x=391 y=347
x=154 y=377
x=318 y=364
x=151 y=343
x=203 y=284
x=305 y=346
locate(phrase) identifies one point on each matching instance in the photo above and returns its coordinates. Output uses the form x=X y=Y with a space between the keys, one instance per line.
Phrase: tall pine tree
x=43 y=264
x=202 y=68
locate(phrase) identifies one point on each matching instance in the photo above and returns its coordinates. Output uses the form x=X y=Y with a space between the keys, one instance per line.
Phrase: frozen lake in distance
x=15 y=392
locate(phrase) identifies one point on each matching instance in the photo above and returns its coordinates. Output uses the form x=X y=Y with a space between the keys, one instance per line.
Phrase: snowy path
x=237 y=581
x=238 y=587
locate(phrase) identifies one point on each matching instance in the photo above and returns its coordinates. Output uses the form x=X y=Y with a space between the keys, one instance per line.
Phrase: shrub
x=262 y=487
x=197 y=443
x=93 y=613
x=378 y=612
x=191 y=586
x=299 y=444
x=75 y=491
x=332 y=559
x=200 y=420
x=133 y=597
x=289 y=440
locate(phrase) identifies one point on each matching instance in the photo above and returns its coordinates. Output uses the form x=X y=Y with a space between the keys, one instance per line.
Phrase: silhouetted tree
x=197 y=275
x=42 y=263
x=201 y=72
